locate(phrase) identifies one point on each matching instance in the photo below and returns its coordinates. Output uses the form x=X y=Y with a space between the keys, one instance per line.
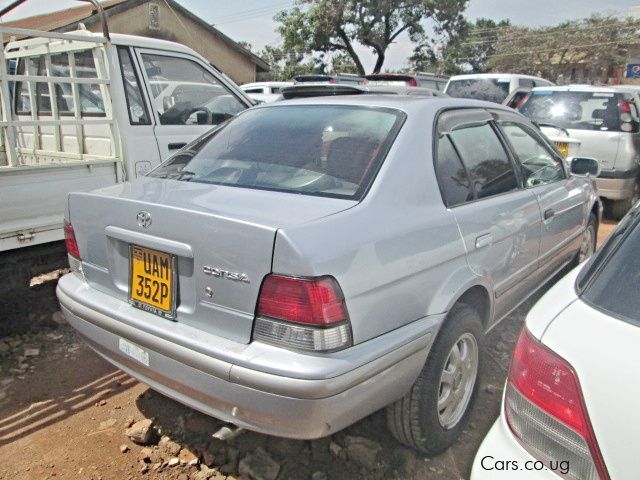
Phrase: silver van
x=606 y=121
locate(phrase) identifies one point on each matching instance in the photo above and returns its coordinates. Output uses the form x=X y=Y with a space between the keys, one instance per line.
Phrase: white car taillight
x=73 y=252
x=546 y=412
x=302 y=313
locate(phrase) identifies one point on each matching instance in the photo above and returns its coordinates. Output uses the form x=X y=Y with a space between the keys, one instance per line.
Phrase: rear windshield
x=323 y=150
x=611 y=282
x=490 y=89
x=603 y=111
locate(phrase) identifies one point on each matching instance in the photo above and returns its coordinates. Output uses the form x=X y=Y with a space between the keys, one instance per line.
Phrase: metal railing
x=17 y=126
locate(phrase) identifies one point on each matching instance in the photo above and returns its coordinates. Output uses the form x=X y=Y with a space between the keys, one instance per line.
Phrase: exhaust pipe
x=228 y=432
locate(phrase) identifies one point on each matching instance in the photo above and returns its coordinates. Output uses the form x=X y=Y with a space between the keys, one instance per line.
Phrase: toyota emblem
x=144 y=219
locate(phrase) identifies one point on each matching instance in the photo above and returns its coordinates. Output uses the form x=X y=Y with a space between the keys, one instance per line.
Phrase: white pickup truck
x=86 y=110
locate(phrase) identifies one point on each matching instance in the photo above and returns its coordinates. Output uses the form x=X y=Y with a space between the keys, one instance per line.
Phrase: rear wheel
x=431 y=416
x=619 y=208
x=589 y=240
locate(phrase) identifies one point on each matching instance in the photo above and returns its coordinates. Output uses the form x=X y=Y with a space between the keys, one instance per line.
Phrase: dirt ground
x=64 y=411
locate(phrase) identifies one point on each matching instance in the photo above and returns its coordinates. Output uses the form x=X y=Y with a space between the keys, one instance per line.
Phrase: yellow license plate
x=152 y=281
x=563 y=147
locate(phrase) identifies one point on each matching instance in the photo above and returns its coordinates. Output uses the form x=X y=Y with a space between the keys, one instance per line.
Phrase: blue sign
x=633 y=70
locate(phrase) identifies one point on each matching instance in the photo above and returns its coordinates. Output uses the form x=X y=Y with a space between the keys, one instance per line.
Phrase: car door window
x=452 y=176
x=485 y=159
x=538 y=165
x=184 y=93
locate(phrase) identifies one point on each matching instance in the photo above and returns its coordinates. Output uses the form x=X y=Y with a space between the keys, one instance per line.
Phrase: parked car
x=493 y=87
x=264 y=91
x=606 y=121
x=317 y=79
x=567 y=410
x=426 y=80
x=312 y=261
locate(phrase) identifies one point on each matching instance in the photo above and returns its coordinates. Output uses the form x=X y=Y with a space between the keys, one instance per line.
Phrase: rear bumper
x=500 y=456
x=616 y=187
x=306 y=402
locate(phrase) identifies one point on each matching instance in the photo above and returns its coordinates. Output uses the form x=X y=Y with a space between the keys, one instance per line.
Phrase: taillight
x=412 y=82
x=302 y=313
x=546 y=412
x=70 y=240
x=73 y=252
x=624 y=106
x=332 y=81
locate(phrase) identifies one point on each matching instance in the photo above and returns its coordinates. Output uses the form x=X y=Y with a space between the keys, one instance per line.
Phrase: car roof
x=473 y=76
x=311 y=90
x=265 y=84
x=583 y=88
x=411 y=104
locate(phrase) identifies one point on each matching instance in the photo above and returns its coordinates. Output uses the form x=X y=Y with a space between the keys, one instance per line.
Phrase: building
x=165 y=19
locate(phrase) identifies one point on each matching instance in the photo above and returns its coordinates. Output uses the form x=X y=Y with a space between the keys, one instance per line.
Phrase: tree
x=465 y=49
x=340 y=25
x=600 y=43
x=284 y=64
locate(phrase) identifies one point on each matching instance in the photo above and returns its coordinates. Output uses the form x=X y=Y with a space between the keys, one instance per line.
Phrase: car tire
x=589 y=242
x=619 y=208
x=416 y=420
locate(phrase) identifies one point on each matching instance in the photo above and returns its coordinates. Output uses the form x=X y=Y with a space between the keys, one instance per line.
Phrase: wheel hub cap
x=457 y=381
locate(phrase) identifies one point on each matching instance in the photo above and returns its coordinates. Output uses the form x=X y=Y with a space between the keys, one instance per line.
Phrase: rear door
x=562 y=198
x=499 y=221
x=187 y=97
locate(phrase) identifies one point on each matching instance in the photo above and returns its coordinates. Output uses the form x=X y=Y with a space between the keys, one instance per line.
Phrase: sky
x=252 y=20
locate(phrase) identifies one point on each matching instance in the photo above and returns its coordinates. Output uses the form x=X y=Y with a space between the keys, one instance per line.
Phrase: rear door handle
x=176 y=146
x=549 y=213
x=484 y=240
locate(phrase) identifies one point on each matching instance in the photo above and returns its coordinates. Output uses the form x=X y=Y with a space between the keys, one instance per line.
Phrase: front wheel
x=431 y=416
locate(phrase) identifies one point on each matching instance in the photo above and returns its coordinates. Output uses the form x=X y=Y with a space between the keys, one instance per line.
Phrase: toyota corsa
x=312 y=261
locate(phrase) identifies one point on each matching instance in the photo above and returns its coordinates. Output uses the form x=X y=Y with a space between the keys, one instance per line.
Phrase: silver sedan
x=312 y=261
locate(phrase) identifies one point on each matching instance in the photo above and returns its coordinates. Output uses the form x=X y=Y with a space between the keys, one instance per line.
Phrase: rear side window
x=612 y=286
x=490 y=89
x=452 y=176
x=323 y=150
x=485 y=159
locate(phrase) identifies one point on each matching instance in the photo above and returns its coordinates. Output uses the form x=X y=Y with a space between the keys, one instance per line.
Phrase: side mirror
x=584 y=166
x=202 y=118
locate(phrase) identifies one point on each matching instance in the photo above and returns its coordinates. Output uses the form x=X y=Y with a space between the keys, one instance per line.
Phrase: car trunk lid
x=219 y=238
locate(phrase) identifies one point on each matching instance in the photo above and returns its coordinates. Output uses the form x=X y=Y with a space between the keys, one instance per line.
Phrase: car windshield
x=602 y=111
x=611 y=282
x=490 y=89
x=323 y=150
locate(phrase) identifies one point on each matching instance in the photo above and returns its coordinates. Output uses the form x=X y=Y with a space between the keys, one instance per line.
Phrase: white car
x=493 y=87
x=264 y=92
x=569 y=407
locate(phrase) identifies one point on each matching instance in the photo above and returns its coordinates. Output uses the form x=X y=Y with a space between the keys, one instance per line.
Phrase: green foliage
x=599 y=42
x=464 y=49
x=337 y=26
x=284 y=64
